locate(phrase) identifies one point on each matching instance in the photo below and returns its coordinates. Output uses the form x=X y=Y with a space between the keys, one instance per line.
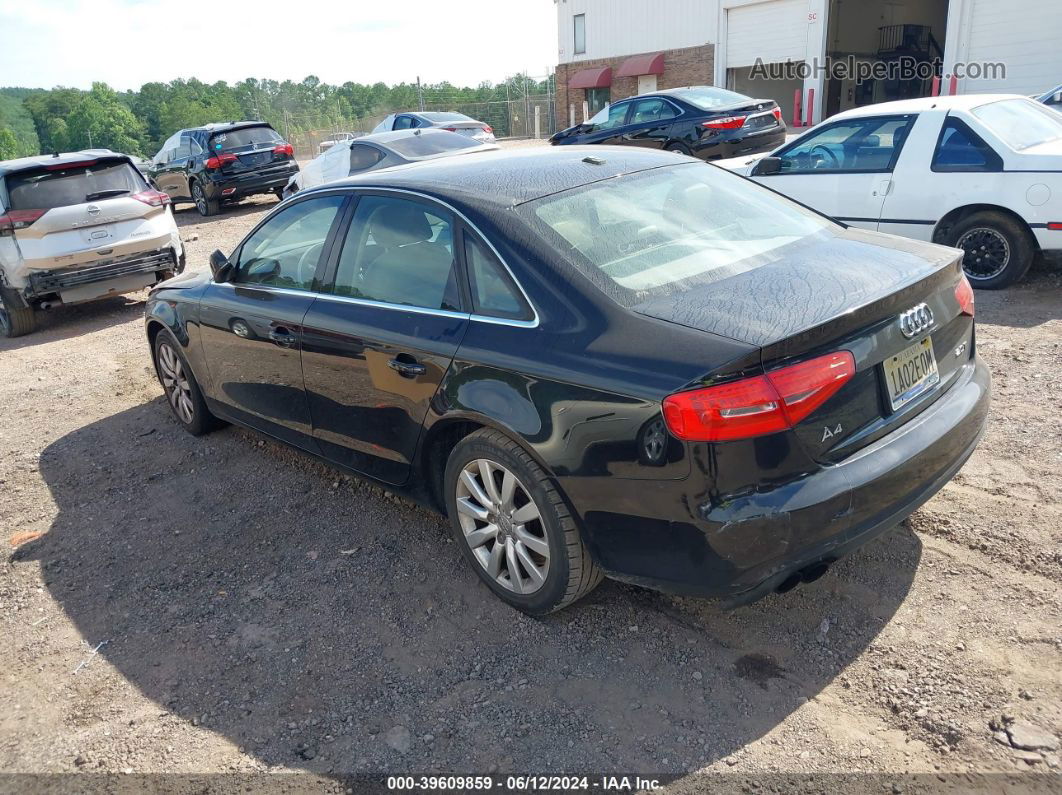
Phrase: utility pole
x=420 y=96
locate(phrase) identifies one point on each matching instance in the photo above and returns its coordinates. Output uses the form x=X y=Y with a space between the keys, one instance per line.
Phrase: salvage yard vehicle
x=980 y=172
x=596 y=361
x=703 y=121
x=222 y=163
x=76 y=227
x=451 y=122
x=382 y=150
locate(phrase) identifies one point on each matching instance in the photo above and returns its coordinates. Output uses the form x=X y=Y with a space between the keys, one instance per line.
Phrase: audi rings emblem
x=916 y=320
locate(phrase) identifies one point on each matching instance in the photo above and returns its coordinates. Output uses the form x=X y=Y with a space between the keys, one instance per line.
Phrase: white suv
x=79 y=226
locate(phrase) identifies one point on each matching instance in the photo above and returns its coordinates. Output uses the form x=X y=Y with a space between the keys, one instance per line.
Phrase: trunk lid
x=253 y=148
x=842 y=293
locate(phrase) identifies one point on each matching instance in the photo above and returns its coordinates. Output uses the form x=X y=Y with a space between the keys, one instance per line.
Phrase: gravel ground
x=259 y=611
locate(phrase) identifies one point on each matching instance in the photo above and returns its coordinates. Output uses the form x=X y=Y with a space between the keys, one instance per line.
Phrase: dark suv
x=223 y=162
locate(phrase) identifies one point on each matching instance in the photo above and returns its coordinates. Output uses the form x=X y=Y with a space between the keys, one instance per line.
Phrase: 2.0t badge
x=916 y=320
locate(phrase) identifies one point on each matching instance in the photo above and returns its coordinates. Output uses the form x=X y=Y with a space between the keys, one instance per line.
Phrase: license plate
x=911 y=372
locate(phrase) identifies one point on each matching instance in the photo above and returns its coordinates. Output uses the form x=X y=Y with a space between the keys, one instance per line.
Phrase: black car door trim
x=332 y=260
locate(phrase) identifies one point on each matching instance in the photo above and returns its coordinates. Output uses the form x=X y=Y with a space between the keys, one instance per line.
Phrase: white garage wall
x=774 y=31
x=1026 y=35
x=626 y=27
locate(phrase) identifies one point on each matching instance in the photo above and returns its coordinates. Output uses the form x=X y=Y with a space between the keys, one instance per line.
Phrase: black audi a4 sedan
x=594 y=361
x=704 y=121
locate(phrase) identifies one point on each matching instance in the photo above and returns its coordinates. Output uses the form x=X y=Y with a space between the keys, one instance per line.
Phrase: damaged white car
x=76 y=227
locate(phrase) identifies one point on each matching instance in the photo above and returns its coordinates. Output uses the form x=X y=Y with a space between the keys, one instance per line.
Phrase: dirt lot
x=261 y=612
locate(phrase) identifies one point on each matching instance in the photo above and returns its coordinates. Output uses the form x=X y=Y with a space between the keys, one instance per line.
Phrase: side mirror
x=219 y=266
x=767 y=166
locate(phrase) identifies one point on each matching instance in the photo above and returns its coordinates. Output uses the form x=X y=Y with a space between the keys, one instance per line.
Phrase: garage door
x=775 y=31
x=1022 y=35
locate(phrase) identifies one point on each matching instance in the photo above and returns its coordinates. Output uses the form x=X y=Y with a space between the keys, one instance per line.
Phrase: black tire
x=16 y=319
x=999 y=249
x=571 y=572
x=206 y=207
x=200 y=420
x=279 y=193
x=681 y=149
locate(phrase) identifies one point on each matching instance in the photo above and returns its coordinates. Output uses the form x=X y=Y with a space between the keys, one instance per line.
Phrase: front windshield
x=1021 y=123
x=670 y=229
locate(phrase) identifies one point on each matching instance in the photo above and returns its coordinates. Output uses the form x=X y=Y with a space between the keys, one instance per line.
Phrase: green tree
x=101 y=120
x=8 y=144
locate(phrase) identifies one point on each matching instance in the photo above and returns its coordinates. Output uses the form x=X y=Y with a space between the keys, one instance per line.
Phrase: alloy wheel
x=5 y=322
x=987 y=253
x=175 y=383
x=199 y=198
x=503 y=526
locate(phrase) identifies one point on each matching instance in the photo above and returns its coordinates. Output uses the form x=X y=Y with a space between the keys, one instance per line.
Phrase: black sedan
x=710 y=123
x=596 y=362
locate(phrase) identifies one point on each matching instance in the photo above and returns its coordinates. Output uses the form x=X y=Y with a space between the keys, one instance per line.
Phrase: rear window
x=432 y=116
x=427 y=144
x=1021 y=123
x=669 y=229
x=244 y=136
x=709 y=98
x=41 y=189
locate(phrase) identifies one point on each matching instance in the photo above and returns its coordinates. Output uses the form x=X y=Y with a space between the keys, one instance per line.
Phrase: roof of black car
x=222 y=126
x=513 y=176
x=61 y=159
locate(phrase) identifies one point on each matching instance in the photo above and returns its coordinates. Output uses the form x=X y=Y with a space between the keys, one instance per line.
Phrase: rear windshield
x=427 y=144
x=708 y=98
x=244 y=136
x=41 y=189
x=431 y=116
x=658 y=232
x=1021 y=123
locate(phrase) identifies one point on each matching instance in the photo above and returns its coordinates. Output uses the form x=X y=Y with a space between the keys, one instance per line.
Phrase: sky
x=126 y=43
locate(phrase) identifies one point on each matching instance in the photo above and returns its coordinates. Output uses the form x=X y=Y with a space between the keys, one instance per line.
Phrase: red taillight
x=777 y=114
x=450 y=129
x=284 y=149
x=217 y=161
x=964 y=294
x=153 y=197
x=760 y=405
x=488 y=129
x=725 y=123
x=18 y=219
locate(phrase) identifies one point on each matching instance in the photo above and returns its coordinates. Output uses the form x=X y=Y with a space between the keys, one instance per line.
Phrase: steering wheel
x=834 y=162
x=306 y=263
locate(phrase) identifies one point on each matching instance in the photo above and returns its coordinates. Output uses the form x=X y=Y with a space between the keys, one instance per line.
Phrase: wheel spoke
x=508 y=488
x=513 y=566
x=486 y=474
x=534 y=543
x=478 y=538
x=533 y=572
x=475 y=489
x=469 y=508
x=526 y=513
x=495 y=560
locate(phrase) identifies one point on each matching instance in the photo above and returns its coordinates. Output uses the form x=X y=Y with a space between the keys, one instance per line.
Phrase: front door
x=376 y=348
x=650 y=123
x=252 y=326
x=843 y=169
x=607 y=127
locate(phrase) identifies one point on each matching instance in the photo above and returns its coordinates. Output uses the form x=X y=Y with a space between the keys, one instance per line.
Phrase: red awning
x=592 y=78
x=651 y=64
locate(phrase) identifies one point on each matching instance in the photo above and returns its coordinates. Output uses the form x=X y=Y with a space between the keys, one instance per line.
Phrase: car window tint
x=961 y=149
x=399 y=252
x=168 y=148
x=184 y=148
x=610 y=117
x=243 y=136
x=284 y=251
x=493 y=292
x=45 y=189
x=857 y=145
x=650 y=110
x=403 y=123
x=363 y=157
x=1021 y=123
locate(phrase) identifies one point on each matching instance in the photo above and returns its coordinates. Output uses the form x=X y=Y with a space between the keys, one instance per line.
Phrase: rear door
x=80 y=212
x=378 y=345
x=650 y=123
x=844 y=169
x=252 y=326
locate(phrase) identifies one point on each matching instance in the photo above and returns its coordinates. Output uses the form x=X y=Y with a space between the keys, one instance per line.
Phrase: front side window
x=284 y=251
x=857 y=145
x=961 y=149
x=404 y=123
x=668 y=229
x=608 y=118
x=398 y=251
x=1021 y=123
x=493 y=292
x=580 y=33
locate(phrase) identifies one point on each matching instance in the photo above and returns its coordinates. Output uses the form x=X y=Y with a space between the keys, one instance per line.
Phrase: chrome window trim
x=532 y=323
